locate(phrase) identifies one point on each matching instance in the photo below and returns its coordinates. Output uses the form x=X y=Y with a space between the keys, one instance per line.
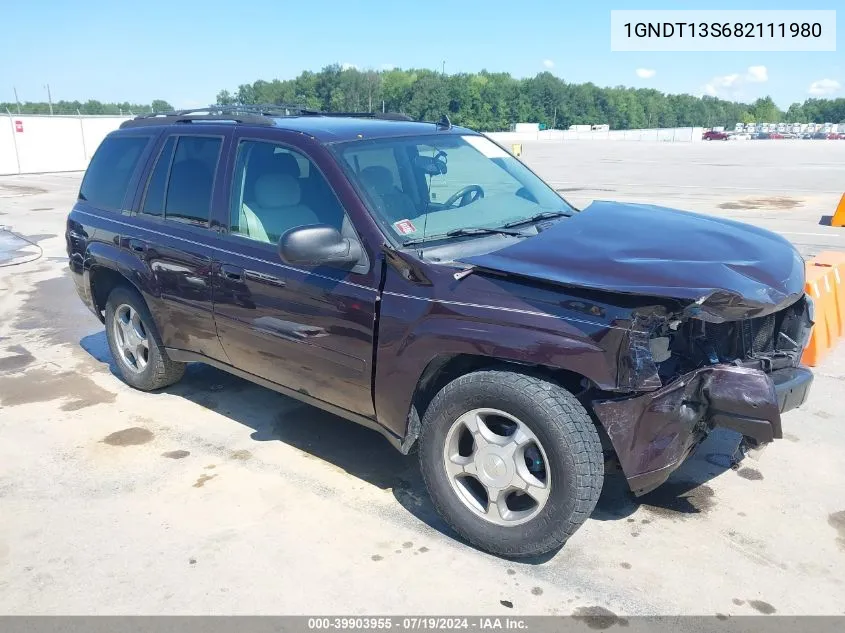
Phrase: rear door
x=175 y=237
x=310 y=330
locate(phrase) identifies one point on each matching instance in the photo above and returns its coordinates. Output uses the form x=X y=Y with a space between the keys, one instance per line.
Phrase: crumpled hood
x=727 y=270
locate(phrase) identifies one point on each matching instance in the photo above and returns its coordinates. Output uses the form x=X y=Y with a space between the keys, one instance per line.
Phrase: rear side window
x=182 y=181
x=107 y=177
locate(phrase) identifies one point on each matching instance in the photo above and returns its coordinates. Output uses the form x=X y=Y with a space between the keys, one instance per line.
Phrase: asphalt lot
x=218 y=496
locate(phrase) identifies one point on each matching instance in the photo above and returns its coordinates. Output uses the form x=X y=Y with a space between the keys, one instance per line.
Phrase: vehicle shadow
x=685 y=492
x=364 y=454
x=359 y=451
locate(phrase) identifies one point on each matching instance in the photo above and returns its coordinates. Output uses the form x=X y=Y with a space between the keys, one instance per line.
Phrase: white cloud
x=726 y=81
x=730 y=85
x=388 y=66
x=548 y=63
x=824 y=87
x=347 y=66
x=757 y=74
x=645 y=73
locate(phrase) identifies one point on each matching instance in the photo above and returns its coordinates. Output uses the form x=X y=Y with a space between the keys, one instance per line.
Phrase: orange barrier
x=820 y=286
x=838 y=218
x=836 y=261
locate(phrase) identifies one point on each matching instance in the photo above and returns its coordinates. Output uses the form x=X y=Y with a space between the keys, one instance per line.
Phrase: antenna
x=444 y=123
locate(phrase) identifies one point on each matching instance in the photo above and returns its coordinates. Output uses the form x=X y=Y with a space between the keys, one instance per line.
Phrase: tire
x=568 y=440
x=158 y=370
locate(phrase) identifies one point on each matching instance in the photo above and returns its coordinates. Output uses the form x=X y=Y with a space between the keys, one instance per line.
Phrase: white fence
x=675 y=134
x=32 y=144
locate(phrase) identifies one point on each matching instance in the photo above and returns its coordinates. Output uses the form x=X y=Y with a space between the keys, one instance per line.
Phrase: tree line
x=484 y=101
x=92 y=106
x=494 y=101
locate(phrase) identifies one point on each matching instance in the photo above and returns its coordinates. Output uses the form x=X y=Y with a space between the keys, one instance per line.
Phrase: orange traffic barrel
x=819 y=286
x=838 y=218
x=836 y=261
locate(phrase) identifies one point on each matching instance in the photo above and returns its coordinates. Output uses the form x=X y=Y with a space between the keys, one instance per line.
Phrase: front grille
x=763 y=334
x=768 y=342
x=742 y=339
x=721 y=337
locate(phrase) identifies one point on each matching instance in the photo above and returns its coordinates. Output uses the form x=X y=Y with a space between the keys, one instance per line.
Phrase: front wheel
x=512 y=462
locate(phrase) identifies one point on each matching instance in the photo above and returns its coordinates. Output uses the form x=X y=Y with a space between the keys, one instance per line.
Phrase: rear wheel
x=135 y=343
x=512 y=462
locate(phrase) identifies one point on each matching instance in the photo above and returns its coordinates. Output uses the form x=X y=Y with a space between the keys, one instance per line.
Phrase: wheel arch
x=102 y=281
x=444 y=368
x=106 y=267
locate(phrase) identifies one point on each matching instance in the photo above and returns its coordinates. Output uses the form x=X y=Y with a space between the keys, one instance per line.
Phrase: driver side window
x=276 y=189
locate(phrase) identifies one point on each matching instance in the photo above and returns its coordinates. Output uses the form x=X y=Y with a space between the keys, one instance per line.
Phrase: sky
x=185 y=52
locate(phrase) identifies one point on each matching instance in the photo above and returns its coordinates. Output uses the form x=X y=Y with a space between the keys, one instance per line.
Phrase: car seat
x=392 y=203
x=274 y=208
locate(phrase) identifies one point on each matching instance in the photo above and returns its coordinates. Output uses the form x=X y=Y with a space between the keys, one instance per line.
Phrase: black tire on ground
x=160 y=371
x=569 y=438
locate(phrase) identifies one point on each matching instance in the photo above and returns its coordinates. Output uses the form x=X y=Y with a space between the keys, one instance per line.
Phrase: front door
x=308 y=330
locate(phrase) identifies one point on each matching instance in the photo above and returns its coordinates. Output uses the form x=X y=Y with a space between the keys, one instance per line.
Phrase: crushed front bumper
x=654 y=433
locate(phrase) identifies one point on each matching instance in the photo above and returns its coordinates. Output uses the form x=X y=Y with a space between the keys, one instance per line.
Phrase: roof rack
x=385 y=116
x=258 y=114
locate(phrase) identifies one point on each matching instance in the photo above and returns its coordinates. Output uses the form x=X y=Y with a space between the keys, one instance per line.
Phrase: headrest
x=264 y=158
x=277 y=190
x=377 y=178
x=287 y=164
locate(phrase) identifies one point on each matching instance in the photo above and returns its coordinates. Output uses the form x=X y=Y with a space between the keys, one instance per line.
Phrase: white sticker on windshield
x=405 y=226
x=486 y=146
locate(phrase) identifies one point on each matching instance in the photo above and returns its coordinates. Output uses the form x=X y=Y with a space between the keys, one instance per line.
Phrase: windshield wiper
x=545 y=215
x=474 y=230
x=481 y=230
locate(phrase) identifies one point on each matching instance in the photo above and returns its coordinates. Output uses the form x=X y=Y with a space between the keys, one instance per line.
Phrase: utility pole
x=444 y=67
x=382 y=106
x=49 y=99
x=554 y=120
x=17 y=101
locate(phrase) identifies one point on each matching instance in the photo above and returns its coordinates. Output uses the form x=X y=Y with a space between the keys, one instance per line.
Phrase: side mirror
x=319 y=245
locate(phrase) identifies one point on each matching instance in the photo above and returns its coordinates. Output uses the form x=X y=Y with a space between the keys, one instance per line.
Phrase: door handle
x=232 y=272
x=138 y=246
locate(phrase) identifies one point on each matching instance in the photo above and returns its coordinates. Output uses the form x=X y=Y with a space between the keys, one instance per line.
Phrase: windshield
x=423 y=188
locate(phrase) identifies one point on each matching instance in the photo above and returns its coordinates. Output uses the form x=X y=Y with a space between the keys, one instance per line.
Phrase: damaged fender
x=654 y=433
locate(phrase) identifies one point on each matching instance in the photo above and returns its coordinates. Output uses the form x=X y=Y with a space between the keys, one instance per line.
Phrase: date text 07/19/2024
x=421 y=623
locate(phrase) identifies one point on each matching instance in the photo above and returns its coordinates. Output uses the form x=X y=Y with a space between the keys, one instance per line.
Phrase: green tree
x=159 y=105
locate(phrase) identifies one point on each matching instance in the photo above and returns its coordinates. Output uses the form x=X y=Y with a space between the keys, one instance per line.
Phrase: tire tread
x=163 y=371
x=570 y=424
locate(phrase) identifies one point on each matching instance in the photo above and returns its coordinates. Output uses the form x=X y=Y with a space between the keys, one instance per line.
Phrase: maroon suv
x=418 y=279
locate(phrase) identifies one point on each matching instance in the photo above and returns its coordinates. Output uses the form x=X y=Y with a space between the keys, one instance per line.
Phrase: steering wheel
x=466 y=196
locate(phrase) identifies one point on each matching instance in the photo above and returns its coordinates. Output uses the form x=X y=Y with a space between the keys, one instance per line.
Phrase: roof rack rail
x=385 y=116
x=266 y=109
x=254 y=114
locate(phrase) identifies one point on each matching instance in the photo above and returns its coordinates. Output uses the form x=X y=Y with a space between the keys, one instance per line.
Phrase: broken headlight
x=637 y=367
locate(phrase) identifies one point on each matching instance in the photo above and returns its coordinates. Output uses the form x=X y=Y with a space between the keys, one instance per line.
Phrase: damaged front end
x=692 y=370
